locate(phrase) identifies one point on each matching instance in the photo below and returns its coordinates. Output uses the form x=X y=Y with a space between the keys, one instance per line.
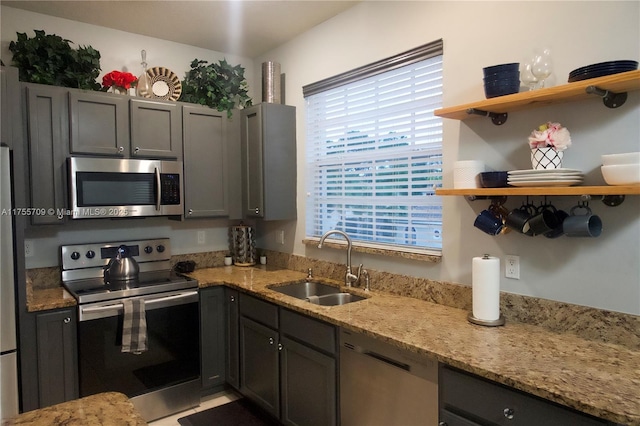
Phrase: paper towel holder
x=486 y=323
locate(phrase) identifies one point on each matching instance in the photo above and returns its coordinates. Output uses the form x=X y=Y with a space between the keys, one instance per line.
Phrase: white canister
x=466 y=174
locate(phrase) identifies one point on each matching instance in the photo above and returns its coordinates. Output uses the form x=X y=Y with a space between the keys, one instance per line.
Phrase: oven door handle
x=86 y=313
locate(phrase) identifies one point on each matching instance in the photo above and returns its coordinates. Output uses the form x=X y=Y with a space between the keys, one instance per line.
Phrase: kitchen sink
x=317 y=293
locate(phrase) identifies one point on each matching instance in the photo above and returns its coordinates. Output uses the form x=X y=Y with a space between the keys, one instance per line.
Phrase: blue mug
x=489 y=222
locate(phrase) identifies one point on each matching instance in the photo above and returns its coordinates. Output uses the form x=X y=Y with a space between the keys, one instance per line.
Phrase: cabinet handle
x=257 y=210
x=121 y=149
x=233 y=298
x=508 y=413
x=67 y=320
x=136 y=150
x=190 y=211
x=279 y=346
x=442 y=424
x=271 y=340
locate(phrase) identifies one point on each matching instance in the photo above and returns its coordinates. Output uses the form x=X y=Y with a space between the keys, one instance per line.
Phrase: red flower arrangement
x=121 y=79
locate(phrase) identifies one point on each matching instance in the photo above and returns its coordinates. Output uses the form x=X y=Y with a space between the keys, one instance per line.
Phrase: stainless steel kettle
x=122 y=267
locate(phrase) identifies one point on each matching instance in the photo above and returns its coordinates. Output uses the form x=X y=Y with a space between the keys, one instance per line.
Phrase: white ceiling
x=244 y=27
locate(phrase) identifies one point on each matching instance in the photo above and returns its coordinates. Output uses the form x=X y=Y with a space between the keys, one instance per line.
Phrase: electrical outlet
x=512 y=267
x=201 y=237
x=28 y=248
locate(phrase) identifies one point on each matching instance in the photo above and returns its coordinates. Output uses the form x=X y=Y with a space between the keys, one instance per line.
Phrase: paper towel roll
x=485 y=276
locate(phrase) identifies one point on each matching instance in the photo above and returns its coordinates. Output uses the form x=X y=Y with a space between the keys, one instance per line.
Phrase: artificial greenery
x=219 y=86
x=50 y=59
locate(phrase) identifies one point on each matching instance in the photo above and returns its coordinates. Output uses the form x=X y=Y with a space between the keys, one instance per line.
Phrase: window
x=374 y=153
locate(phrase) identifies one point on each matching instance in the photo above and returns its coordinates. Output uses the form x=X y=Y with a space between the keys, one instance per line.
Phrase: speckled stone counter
x=597 y=374
x=601 y=379
x=104 y=409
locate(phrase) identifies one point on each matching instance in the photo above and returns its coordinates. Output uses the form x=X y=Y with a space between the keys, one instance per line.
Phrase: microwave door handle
x=158 y=189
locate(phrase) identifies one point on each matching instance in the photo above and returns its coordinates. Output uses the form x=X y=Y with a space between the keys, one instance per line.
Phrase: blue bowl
x=494 y=179
x=514 y=66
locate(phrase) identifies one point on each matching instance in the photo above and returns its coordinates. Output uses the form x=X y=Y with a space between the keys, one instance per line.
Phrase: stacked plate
x=602 y=69
x=546 y=177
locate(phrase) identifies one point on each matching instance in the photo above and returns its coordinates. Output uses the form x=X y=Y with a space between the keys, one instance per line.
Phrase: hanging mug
x=582 y=225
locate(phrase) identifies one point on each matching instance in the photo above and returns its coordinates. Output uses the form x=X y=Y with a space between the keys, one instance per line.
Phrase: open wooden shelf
x=544 y=190
x=616 y=83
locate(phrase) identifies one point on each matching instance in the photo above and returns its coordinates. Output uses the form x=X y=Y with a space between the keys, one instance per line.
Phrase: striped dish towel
x=134 y=327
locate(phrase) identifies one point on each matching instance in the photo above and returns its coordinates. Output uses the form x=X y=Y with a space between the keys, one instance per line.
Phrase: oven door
x=173 y=345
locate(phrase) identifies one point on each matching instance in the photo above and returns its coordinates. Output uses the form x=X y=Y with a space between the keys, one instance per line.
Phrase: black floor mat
x=237 y=413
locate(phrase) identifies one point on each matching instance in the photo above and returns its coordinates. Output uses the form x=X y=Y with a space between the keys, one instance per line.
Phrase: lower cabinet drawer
x=483 y=401
x=263 y=312
x=308 y=330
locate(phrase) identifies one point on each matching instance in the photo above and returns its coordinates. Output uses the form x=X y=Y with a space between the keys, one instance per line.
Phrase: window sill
x=425 y=257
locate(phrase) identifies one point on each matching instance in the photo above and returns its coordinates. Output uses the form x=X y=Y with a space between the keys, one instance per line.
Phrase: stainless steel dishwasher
x=381 y=385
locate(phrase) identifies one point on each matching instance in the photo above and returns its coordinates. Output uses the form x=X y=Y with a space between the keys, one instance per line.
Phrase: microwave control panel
x=170 y=185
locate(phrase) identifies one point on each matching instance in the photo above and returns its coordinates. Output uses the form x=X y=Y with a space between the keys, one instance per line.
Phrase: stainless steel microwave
x=116 y=187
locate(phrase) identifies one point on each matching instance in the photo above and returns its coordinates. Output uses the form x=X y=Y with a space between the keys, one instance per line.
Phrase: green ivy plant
x=220 y=86
x=50 y=59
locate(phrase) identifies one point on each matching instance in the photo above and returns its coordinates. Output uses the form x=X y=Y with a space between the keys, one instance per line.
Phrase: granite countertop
x=106 y=409
x=602 y=379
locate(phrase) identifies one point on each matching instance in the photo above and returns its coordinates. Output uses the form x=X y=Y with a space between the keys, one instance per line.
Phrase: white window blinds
x=374 y=157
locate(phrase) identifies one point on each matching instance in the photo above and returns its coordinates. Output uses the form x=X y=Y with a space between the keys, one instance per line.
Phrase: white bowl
x=621 y=174
x=626 y=158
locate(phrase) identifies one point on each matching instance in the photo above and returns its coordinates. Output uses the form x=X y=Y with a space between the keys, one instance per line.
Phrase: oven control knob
x=160 y=248
x=75 y=255
x=148 y=249
x=91 y=254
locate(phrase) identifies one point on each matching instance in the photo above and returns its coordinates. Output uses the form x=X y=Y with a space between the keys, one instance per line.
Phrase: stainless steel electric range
x=165 y=378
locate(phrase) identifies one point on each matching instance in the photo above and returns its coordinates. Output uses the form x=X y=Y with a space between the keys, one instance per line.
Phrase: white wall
x=603 y=272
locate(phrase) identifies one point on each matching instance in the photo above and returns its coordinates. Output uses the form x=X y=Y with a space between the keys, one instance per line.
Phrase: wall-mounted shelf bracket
x=496 y=118
x=609 y=99
x=608 y=200
x=495 y=199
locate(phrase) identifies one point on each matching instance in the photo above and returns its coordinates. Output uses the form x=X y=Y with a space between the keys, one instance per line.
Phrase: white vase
x=546 y=158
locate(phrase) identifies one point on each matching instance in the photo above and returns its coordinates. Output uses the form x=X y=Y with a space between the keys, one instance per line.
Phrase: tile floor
x=207 y=402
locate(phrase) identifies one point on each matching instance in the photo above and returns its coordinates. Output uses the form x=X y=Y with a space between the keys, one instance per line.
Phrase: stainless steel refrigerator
x=8 y=349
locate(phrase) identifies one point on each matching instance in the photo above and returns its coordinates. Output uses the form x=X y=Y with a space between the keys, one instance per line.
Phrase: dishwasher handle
x=387 y=360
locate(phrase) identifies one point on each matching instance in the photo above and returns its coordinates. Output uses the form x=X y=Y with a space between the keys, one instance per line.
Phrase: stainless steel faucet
x=349 y=277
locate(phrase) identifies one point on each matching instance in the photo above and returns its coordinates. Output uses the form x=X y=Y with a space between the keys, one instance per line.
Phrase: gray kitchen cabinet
x=466 y=400
x=156 y=129
x=259 y=379
x=269 y=161
x=46 y=131
x=308 y=354
x=212 y=337
x=259 y=357
x=9 y=105
x=57 y=354
x=98 y=123
x=288 y=363
x=211 y=150
x=122 y=126
x=232 y=317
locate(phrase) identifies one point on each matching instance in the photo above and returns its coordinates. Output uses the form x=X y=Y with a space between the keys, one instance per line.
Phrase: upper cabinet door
x=46 y=131
x=253 y=172
x=206 y=163
x=99 y=123
x=155 y=129
x=269 y=161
